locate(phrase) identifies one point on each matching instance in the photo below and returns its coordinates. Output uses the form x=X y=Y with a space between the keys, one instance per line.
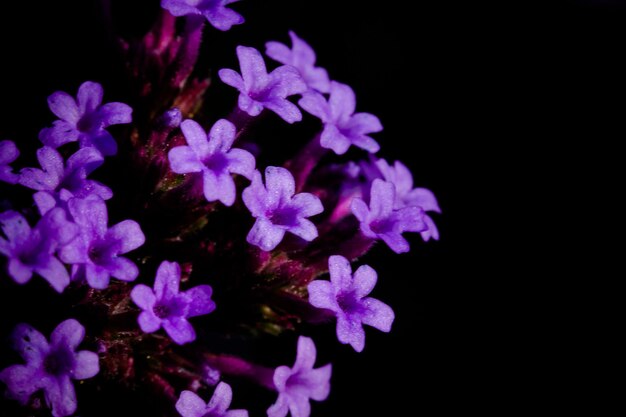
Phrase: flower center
x=216 y=163
x=348 y=302
x=162 y=311
x=59 y=362
x=97 y=254
x=286 y=216
x=88 y=123
x=381 y=226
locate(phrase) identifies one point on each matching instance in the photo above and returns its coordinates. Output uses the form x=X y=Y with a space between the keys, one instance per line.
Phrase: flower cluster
x=207 y=244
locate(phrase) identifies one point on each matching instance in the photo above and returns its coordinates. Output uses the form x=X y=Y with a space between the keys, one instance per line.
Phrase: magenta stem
x=235 y=366
x=303 y=164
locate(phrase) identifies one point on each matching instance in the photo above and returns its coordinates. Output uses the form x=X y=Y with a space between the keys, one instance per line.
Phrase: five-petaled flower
x=95 y=253
x=33 y=250
x=50 y=366
x=381 y=221
x=8 y=154
x=214 y=158
x=260 y=90
x=342 y=126
x=346 y=296
x=300 y=383
x=215 y=11
x=85 y=119
x=167 y=307
x=191 y=405
x=277 y=210
x=302 y=57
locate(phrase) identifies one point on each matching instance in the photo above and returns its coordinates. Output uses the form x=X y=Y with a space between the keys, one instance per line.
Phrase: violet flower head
x=85 y=119
x=215 y=11
x=277 y=210
x=342 y=126
x=300 y=383
x=260 y=90
x=346 y=296
x=302 y=57
x=165 y=306
x=214 y=158
x=8 y=154
x=50 y=366
x=400 y=176
x=33 y=250
x=56 y=183
x=191 y=405
x=381 y=221
x=95 y=253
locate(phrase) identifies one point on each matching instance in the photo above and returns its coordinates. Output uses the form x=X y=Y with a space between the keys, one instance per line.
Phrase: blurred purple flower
x=302 y=57
x=94 y=254
x=167 y=307
x=300 y=383
x=381 y=221
x=215 y=11
x=85 y=120
x=8 y=154
x=346 y=296
x=191 y=405
x=260 y=90
x=342 y=127
x=277 y=210
x=50 y=366
x=214 y=158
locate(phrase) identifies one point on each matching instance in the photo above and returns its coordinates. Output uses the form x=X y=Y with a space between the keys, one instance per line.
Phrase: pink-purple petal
x=222 y=136
x=89 y=96
x=378 y=315
x=364 y=280
x=123 y=269
x=306 y=354
x=350 y=332
x=252 y=66
x=332 y=138
x=129 y=235
x=97 y=276
x=87 y=365
x=281 y=183
x=189 y=404
x=221 y=399
x=53 y=271
x=322 y=295
x=148 y=322
x=115 y=114
x=167 y=280
x=241 y=162
x=183 y=160
x=60 y=395
x=180 y=330
x=143 y=296
x=232 y=78
x=196 y=137
x=288 y=111
x=200 y=300
x=29 y=343
x=64 y=107
x=265 y=235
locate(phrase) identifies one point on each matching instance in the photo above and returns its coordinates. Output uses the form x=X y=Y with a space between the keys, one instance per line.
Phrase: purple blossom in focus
x=346 y=296
x=381 y=221
x=33 y=250
x=215 y=11
x=302 y=57
x=277 y=210
x=8 y=154
x=342 y=127
x=214 y=158
x=50 y=366
x=191 y=405
x=56 y=183
x=85 y=119
x=300 y=383
x=260 y=90
x=400 y=176
x=95 y=253
x=167 y=307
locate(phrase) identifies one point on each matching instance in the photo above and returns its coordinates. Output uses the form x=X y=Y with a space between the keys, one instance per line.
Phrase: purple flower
x=296 y=385
x=214 y=11
x=8 y=154
x=57 y=183
x=277 y=210
x=167 y=307
x=95 y=253
x=302 y=57
x=400 y=176
x=381 y=221
x=346 y=295
x=50 y=366
x=191 y=405
x=32 y=250
x=214 y=158
x=342 y=127
x=260 y=90
x=84 y=120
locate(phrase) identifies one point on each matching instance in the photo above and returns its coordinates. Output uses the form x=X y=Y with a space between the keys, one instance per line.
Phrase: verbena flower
x=85 y=119
x=342 y=126
x=302 y=57
x=278 y=209
x=50 y=367
x=215 y=11
x=300 y=383
x=346 y=295
x=214 y=158
x=381 y=221
x=191 y=405
x=165 y=306
x=260 y=90
x=8 y=154
x=95 y=253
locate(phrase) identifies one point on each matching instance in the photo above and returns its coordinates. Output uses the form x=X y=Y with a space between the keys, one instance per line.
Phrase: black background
x=487 y=105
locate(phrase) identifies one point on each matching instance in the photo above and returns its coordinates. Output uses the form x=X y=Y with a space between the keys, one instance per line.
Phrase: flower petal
x=322 y=295
x=221 y=399
x=423 y=198
x=381 y=198
x=196 y=138
x=315 y=104
x=59 y=134
x=255 y=196
x=129 y=235
x=143 y=296
x=305 y=357
x=200 y=300
x=307 y=204
x=60 y=395
x=167 y=280
x=123 y=269
x=101 y=140
x=69 y=333
x=148 y=322
x=364 y=280
x=183 y=160
x=340 y=273
x=280 y=185
x=265 y=235
x=97 y=276
x=299 y=406
x=53 y=271
x=287 y=111
x=304 y=229
x=252 y=66
x=332 y=138
x=350 y=332
x=241 y=162
x=280 y=408
x=221 y=136
x=231 y=78
x=180 y=330
x=278 y=52
x=30 y=344
x=189 y=404
x=87 y=365
x=379 y=315
x=432 y=231
x=21 y=381
x=64 y=107
x=90 y=214
x=342 y=101
x=89 y=96
x=115 y=114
